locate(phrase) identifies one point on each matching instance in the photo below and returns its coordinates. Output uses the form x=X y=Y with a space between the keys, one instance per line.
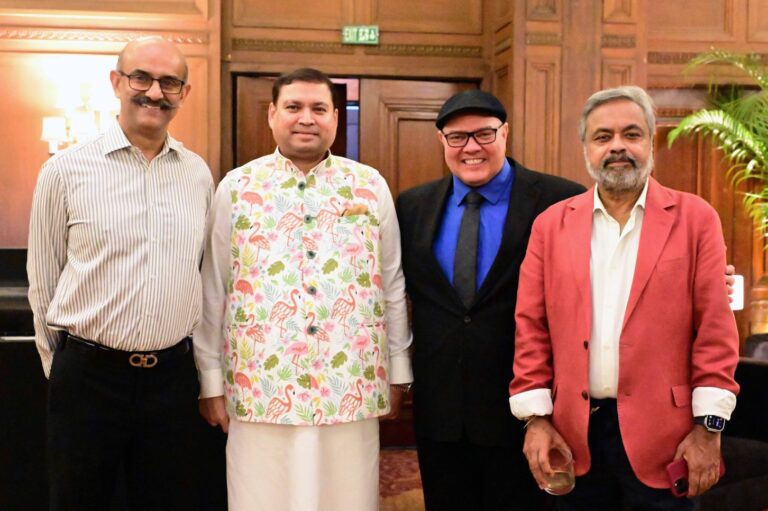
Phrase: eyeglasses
x=142 y=82
x=461 y=138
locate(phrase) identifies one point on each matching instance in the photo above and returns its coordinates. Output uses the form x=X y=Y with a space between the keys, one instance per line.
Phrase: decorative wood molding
x=670 y=21
x=618 y=11
x=542 y=39
x=502 y=45
x=757 y=29
x=422 y=50
x=420 y=17
x=618 y=41
x=670 y=58
x=78 y=7
x=270 y=45
x=101 y=36
x=617 y=72
x=543 y=10
x=542 y=113
x=667 y=113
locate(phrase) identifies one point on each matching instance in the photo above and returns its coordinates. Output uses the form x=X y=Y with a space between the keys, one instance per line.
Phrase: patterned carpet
x=399 y=481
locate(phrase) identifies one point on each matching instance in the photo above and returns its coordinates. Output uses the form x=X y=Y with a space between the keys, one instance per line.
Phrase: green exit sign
x=360 y=34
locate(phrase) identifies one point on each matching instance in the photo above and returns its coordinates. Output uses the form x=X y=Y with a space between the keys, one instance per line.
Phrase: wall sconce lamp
x=54 y=132
x=84 y=114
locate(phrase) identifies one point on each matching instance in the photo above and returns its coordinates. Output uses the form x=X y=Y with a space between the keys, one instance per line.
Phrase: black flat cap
x=471 y=101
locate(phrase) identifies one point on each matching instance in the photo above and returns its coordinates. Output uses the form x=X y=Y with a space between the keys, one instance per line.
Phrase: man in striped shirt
x=116 y=237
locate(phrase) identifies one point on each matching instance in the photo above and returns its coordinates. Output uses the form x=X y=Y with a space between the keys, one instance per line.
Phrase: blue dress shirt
x=493 y=214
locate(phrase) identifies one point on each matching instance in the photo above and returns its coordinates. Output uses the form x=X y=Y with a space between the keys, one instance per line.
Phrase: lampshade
x=83 y=124
x=54 y=129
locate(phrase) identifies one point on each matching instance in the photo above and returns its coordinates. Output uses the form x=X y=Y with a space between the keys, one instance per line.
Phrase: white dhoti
x=303 y=468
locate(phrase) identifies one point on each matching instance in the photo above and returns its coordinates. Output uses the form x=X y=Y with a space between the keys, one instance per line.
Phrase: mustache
x=619 y=157
x=163 y=104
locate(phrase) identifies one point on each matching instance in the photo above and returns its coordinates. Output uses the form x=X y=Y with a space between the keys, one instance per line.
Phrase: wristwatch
x=402 y=387
x=713 y=423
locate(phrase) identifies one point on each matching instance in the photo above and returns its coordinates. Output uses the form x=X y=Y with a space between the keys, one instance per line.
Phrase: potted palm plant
x=737 y=122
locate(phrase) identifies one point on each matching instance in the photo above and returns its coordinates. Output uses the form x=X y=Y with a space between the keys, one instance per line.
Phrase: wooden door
x=253 y=137
x=397 y=129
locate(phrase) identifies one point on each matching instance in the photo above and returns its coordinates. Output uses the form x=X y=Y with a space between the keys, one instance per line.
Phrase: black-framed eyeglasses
x=461 y=138
x=142 y=82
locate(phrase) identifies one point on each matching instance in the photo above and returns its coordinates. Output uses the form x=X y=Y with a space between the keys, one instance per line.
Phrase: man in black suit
x=470 y=446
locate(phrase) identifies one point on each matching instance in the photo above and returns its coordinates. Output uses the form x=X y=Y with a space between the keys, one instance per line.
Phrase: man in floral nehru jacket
x=304 y=337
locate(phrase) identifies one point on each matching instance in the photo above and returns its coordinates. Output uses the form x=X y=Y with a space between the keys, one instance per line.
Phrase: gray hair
x=631 y=92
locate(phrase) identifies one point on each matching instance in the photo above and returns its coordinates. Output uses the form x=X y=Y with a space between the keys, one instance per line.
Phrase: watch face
x=714 y=423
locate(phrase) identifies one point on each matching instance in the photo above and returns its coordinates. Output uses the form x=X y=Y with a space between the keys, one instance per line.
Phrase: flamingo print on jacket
x=300 y=289
x=351 y=402
x=278 y=407
x=342 y=308
x=282 y=310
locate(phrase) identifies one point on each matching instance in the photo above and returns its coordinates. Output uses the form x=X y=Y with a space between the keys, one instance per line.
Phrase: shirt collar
x=598 y=204
x=283 y=163
x=115 y=139
x=492 y=191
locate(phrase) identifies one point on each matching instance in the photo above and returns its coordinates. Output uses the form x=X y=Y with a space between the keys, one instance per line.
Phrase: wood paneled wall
x=430 y=39
x=543 y=58
x=50 y=45
x=547 y=56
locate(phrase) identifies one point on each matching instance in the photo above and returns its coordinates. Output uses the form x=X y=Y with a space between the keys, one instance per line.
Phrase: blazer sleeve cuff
x=713 y=401
x=531 y=402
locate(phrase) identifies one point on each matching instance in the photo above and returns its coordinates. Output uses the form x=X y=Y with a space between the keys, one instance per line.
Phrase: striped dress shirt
x=115 y=243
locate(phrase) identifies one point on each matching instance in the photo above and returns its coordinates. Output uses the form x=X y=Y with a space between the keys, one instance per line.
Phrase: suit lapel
x=523 y=200
x=429 y=226
x=577 y=224
x=657 y=224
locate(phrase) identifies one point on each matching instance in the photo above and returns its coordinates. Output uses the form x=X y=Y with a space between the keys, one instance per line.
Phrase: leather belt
x=141 y=359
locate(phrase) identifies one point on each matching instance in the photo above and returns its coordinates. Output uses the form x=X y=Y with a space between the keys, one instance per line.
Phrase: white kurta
x=273 y=467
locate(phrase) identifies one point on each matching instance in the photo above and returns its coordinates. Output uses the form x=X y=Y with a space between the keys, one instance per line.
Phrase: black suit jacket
x=463 y=357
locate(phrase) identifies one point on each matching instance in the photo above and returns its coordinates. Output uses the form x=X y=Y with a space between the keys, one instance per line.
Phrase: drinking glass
x=563 y=480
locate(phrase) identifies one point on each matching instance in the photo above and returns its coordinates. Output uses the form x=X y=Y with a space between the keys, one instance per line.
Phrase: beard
x=619 y=180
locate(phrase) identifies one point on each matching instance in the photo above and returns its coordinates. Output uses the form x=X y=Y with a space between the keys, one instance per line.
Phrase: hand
x=395 y=400
x=730 y=271
x=701 y=449
x=540 y=437
x=214 y=411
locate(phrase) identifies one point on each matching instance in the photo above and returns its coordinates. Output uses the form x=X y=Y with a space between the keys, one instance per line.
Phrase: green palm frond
x=749 y=64
x=737 y=122
x=737 y=142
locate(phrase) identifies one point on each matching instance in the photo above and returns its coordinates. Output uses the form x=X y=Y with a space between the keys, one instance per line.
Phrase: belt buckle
x=140 y=360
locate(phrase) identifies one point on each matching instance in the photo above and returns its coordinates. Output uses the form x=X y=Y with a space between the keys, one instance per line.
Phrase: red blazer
x=678 y=333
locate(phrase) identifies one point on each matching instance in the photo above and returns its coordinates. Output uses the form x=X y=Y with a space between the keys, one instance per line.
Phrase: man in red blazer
x=625 y=347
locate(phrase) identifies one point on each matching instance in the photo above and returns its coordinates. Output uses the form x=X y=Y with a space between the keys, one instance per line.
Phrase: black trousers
x=104 y=414
x=463 y=476
x=610 y=484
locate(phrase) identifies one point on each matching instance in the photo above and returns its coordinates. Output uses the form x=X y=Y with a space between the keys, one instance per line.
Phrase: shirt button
x=302 y=185
x=307 y=219
x=311 y=254
x=584 y=394
x=312 y=330
x=586 y=345
x=467 y=319
x=312 y=290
